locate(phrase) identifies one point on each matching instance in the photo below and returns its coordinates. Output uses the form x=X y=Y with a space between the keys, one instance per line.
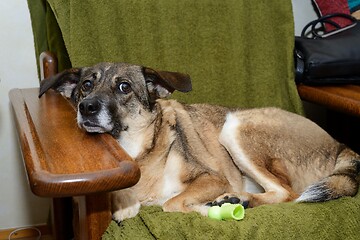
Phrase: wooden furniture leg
x=93 y=213
x=61 y=218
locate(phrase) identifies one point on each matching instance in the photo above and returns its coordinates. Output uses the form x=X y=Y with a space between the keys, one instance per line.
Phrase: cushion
x=238 y=53
x=337 y=219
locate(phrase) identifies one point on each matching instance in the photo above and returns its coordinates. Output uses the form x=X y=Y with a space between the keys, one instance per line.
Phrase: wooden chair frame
x=77 y=170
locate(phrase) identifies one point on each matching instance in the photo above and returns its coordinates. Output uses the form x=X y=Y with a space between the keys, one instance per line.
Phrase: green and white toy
x=227 y=211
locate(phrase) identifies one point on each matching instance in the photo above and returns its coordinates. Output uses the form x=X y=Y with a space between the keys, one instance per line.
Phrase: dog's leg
x=124 y=204
x=239 y=139
x=199 y=192
x=275 y=184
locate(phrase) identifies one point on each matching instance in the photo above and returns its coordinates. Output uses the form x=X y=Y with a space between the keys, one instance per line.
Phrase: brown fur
x=190 y=155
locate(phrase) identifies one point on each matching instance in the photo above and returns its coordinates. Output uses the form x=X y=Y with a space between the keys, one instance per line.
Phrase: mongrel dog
x=190 y=155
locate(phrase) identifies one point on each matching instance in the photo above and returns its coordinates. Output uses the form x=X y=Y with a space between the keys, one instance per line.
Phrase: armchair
x=239 y=53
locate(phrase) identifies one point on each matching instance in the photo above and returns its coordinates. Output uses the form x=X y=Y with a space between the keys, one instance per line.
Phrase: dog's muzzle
x=93 y=117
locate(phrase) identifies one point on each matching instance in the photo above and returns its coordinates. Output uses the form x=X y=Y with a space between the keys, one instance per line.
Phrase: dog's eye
x=87 y=86
x=125 y=87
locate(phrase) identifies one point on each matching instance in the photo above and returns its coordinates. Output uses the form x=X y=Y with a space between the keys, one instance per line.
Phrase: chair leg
x=61 y=218
x=92 y=216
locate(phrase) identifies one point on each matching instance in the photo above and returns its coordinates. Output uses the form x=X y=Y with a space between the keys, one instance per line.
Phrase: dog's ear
x=162 y=83
x=64 y=82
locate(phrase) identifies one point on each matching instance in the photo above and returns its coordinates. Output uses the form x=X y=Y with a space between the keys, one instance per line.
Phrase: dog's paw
x=176 y=205
x=128 y=212
x=124 y=204
x=242 y=199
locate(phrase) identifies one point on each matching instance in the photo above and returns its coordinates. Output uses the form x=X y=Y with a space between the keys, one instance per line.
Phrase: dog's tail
x=344 y=181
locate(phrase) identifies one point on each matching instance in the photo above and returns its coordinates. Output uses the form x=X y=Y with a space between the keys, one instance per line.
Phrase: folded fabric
x=238 y=53
x=338 y=219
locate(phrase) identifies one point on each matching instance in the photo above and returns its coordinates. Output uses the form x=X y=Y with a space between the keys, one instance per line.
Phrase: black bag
x=328 y=58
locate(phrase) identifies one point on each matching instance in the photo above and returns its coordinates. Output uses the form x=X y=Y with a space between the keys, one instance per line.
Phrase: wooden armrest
x=61 y=159
x=342 y=98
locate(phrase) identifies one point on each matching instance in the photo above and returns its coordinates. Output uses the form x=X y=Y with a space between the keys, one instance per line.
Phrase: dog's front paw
x=241 y=198
x=128 y=212
x=124 y=204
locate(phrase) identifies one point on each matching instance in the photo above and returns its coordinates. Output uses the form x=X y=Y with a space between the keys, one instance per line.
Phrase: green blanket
x=238 y=53
x=338 y=219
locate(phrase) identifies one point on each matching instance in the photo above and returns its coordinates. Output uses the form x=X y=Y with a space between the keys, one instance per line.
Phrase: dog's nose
x=89 y=107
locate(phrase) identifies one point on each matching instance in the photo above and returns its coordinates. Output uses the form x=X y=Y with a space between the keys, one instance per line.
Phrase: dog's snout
x=89 y=107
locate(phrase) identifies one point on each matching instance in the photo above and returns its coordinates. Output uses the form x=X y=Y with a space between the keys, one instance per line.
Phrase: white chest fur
x=132 y=143
x=171 y=181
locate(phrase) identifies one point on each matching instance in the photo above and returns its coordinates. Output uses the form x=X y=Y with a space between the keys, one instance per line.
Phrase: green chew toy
x=227 y=211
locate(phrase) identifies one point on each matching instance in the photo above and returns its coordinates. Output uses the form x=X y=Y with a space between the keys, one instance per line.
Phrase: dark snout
x=93 y=116
x=89 y=107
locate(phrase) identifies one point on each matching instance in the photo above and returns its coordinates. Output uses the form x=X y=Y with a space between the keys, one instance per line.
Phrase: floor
x=27 y=233
x=46 y=237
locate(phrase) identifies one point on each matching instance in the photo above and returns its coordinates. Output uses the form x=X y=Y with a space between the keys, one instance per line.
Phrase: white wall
x=18 y=206
x=303 y=13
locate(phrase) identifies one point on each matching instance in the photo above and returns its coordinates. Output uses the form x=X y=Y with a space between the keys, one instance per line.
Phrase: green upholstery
x=238 y=53
x=47 y=34
x=337 y=219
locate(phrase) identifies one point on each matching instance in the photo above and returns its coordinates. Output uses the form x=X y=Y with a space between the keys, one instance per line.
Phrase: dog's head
x=110 y=95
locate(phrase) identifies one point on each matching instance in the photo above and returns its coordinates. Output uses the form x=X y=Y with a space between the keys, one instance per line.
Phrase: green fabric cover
x=238 y=53
x=47 y=34
x=338 y=219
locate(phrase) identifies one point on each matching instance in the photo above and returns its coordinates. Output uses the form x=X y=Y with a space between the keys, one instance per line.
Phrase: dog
x=193 y=156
